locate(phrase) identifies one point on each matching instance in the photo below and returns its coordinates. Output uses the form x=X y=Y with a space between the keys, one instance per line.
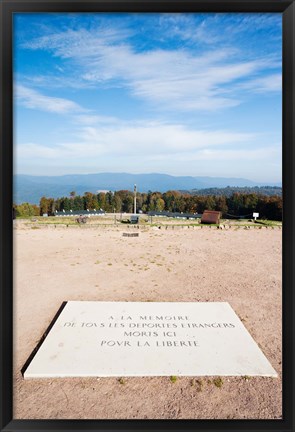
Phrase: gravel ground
x=237 y=265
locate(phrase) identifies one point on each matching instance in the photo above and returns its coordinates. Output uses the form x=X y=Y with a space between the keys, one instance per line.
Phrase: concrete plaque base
x=105 y=339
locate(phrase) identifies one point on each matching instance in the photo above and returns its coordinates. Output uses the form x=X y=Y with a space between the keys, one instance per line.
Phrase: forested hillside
x=236 y=205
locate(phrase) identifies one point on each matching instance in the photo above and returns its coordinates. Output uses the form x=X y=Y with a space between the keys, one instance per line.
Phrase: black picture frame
x=7 y=8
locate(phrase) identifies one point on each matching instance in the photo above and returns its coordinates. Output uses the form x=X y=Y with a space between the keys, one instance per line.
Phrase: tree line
x=230 y=190
x=237 y=204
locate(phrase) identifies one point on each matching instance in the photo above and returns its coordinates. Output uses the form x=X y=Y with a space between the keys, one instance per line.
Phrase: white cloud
x=190 y=74
x=227 y=155
x=171 y=149
x=139 y=140
x=33 y=151
x=79 y=44
x=177 y=79
x=217 y=28
x=88 y=119
x=268 y=84
x=35 y=100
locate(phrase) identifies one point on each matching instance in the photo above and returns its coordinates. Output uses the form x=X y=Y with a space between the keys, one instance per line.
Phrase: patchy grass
x=268 y=222
x=218 y=382
x=55 y=222
x=200 y=384
x=173 y=379
x=246 y=377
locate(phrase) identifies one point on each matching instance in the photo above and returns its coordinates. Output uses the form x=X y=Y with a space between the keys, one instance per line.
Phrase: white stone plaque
x=105 y=339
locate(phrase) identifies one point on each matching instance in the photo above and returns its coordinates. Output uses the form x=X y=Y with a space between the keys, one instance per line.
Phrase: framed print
x=147 y=207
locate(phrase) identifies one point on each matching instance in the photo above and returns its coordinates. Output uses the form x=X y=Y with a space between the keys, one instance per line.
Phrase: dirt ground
x=240 y=266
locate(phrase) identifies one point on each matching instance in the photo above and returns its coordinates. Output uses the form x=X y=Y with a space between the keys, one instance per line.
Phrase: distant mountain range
x=30 y=189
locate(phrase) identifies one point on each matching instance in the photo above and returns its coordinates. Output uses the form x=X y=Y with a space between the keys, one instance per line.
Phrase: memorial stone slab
x=105 y=339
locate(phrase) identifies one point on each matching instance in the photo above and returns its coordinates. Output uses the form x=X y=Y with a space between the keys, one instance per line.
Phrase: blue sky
x=182 y=94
